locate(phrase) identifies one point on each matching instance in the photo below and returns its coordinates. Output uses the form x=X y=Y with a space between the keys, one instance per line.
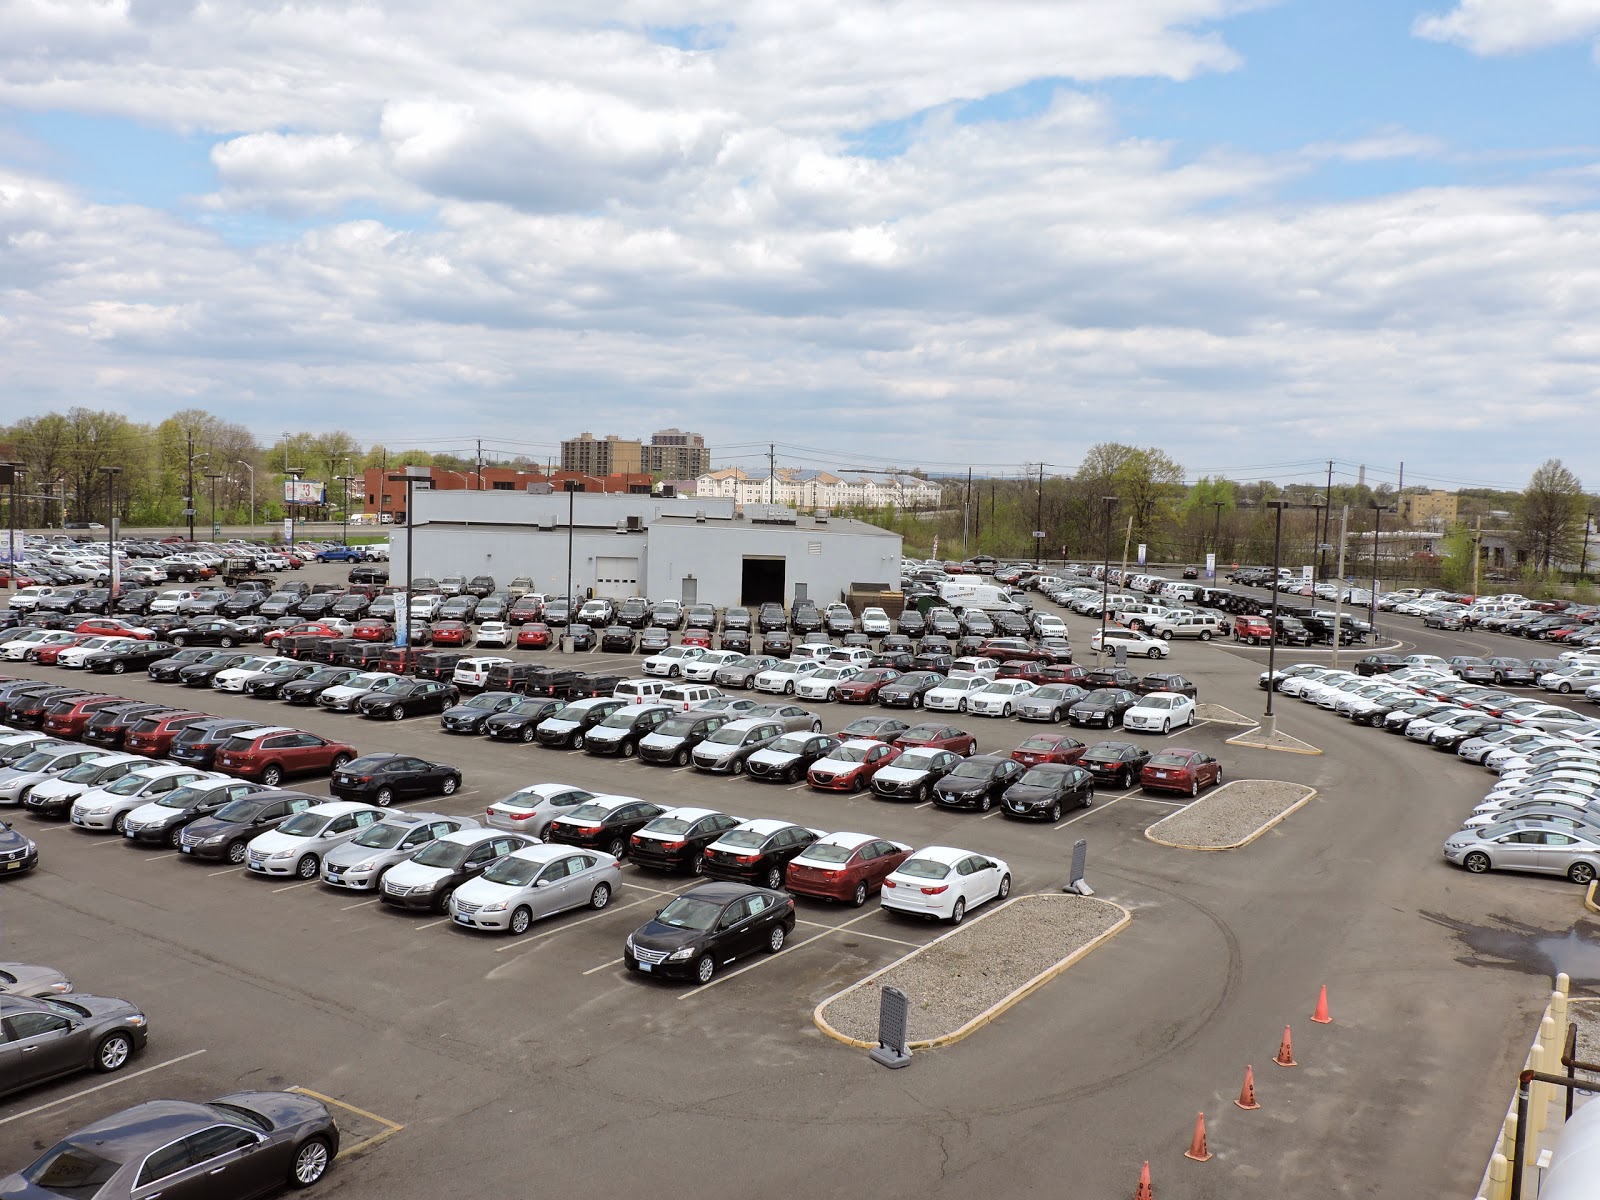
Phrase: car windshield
x=382 y=836
x=670 y=825
x=971 y=770
x=1156 y=702
x=1043 y=776
x=442 y=854
x=68 y=1169
x=84 y=772
x=727 y=736
x=621 y=719
x=37 y=761
x=923 y=868
x=240 y=810
x=180 y=797
x=486 y=700
x=513 y=872
x=687 y=912
x=677 y=726
x=128 y=785
x=570 y=712
x=1038 y=743
x=917 y=760
x=848 y=754
x=744 y=839
x=306 y=824
x=793 y=743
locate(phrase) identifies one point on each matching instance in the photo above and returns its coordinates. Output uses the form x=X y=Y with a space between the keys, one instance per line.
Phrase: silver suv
x=360 y=864
x=725 y=751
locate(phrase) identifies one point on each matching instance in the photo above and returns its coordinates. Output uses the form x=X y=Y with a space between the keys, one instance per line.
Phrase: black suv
x=634 y=613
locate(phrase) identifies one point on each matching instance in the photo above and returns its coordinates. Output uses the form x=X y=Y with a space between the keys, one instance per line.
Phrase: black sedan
x=472 y=716
x=977 y=782
x=520 y=722
x=18 y=853
x=165 y=670
x=583 y=636
x=209 y=633
x=1044 y=791
x=407 y=699
x=616 y=639
x=1379 y=664
x=882 y=729
x=1118 y=763
x=269 y=684
x=735 y=639
x=757 y=852
x=52 y=1036
x=200 y=674
x=242 y=1145
x=677 y=839
x=909 y=689
x=382 y=779
x=1103 y=706
x=710 y=926
x=184 y=805
x=305 y=691
x=789 y=758
x=137 y=657
x=604 y=823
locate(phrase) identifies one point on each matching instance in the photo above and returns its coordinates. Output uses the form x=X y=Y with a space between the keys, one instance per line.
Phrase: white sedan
x=73 y=656
x=704 y=669
x=785 y=676
x=952 y=694
x=998 y=697
x=1138 y=644
x=234 y=678
x=672 y=661
x=822 y=684
x=943 y=883
x=1159 y=712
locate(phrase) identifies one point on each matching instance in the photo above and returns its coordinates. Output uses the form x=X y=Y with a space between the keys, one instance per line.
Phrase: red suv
x=271 y=753
x=1254 y=630
x=153 y=736
x=69 y=718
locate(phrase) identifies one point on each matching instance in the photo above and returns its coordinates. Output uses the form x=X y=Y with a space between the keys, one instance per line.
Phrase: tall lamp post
x=216 y=528
x=111 y=474
x=252 y=470
x=1216 y=530
x=1583 y=563
x=1105 y=571
x=573 y=487
x=14 y=470
x=1372 y=604
x=1270 y=722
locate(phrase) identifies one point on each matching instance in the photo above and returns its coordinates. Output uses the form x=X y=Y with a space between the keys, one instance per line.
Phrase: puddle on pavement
x=1514 y=945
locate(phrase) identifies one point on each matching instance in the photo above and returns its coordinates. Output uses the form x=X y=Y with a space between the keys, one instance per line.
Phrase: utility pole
x=1338 y=587
x=216 y=526
x=1038 y=524
x=188 y=500
x=1127 y=539
x=285 y=451
x=772 y=474
x=1477 y=554
x=1327 y=522
x=480 y=466
x=966 y=517
x=252 y=470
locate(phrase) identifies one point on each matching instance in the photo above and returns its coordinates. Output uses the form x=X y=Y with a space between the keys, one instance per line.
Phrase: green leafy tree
x=1550 y=516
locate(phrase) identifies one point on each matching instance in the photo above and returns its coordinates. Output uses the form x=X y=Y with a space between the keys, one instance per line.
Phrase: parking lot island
x=1234 y=815
x=960 y=982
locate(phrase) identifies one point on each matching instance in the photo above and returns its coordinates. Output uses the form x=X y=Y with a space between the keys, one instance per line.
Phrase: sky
x=1258 y=235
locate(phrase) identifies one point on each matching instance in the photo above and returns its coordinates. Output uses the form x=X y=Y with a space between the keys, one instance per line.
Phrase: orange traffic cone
x=1285 y=1051
x=1321 y=1016
x=1144 y=1192
x=1197 y=1144
x=1247 y=1094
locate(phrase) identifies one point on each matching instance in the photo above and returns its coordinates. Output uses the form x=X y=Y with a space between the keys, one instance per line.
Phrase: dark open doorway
x=761 y=580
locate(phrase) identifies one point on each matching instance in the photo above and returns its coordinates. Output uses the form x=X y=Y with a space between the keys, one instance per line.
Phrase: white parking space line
x=926 y=804
x=433 y=924
x=877 y=937
x=615 y=962
x=161 y=857
x=110 y=841
x=291 y=887
x=520 y=942
x=362 y=904
x=228 y=871
x=1150 y=800
x=798 y=787
x=774 y=957
x=1090 y=811
x=100 y=1087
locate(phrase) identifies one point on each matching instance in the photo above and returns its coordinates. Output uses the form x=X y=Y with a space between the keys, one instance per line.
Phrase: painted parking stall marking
x=369 y=1126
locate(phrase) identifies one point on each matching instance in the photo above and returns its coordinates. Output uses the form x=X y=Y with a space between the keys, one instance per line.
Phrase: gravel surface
x=1259 y=739
x=1585 y=1014
x=1226 y=817
x=978 y=965
x=1222 y=715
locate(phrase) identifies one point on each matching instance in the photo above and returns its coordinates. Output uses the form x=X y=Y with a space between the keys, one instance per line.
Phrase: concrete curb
x=1010 y=1000
x=1299 y=747
x=1589 y=901
x=1311 y=792
x=1219 y=714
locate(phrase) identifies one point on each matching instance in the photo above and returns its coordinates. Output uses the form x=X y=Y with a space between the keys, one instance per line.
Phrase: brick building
x=386 y=497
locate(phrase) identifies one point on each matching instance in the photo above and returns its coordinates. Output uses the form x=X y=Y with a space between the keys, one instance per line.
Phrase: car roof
x=764 y=825
x=135 y=1131
x=690 y=814
x=859 y=744
x=608 y=801
x=336 y=808
x=845 y=838
x=471 y=835
x=949 y=855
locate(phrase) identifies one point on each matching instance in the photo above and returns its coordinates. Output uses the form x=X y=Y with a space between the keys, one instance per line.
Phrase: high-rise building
x=610 y=455
x=677 y=454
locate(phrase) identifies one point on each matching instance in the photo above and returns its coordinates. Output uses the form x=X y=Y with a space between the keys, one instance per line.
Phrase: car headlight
x=101 y=811
x=138 y=1022
x=281 y=854
x=629 y=944
x=497 y=906
x=370 y=865
x=63 y=986
x=681 y=953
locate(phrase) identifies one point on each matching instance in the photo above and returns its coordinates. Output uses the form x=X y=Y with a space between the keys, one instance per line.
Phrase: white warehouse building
x=697 y=550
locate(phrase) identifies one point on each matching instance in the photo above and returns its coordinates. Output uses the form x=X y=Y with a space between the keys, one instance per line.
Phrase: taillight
x=747 y=859
x=670 y=845
x=890 y=883
x=934 y=891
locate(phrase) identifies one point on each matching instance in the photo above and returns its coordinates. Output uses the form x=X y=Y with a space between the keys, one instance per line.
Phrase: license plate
x=460 y=920
x=187 y=849
x=644 y=966
x=13 y=866
x=128 y=833
x=77 y=820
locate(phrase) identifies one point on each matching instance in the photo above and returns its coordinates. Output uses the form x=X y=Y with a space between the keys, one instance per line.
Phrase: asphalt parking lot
x=482 y=1049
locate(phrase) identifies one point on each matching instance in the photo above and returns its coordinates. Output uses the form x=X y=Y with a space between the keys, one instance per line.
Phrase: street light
x=1270 y=724
x=252 y=470
x=1372 y=604
x=346 y=479
x=216 y=529
x=1216 y=533
x=1105 y=570
x=1583 y=563
x=573 y=488
x=14 y=470
x=111 y=474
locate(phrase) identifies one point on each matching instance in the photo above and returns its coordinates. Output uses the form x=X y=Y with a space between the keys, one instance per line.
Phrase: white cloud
x=1512 y=26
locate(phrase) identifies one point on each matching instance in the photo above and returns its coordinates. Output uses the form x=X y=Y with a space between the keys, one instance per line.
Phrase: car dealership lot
x=478 y=1045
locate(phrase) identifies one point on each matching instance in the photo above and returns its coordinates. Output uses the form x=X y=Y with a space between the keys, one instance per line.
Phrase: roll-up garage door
x=616 y=578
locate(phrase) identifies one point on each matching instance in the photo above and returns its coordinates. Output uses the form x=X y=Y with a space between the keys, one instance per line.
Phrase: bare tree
x=1550 y=516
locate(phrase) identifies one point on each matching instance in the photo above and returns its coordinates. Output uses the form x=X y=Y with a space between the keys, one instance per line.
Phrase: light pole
x=216 y=528
x=111 y=532
x=1583 y=563
x=1270 y=723
x=345 y=478
x=1372 y=604
x=1216 y=531
x=572 y=487
x=252 y=470
x=14 y=470
x=1105 y=571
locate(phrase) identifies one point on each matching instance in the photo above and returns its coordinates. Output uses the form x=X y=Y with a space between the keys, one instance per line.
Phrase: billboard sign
x=402 y=618
x=1308 y=575
x=1211 y=566
x=1143 y=549
x=304 y=491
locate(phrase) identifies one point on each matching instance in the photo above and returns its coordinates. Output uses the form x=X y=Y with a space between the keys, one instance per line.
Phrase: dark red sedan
x=1049 y=748
x=697 y=637
x=938 y=737
x=1179 y=770
x=847 y=867
x=850 y=766
x=451 y=633
x=372 y=630
x=273 y=636
x=863 y=688
x=535 y=635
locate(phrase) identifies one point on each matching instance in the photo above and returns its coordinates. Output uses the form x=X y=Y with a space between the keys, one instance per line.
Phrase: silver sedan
x=792 y=717
x=1527 y=846
x=535 y=882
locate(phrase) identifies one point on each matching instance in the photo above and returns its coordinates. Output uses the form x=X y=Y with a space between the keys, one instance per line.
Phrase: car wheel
x=1005 y=887
x=1194 y=787
x=674 y=672
x=600 y=897
x=527 y=733
x=384 y=798
x=1564 y=688
x=858 y=784
x=339 y=760
x=776 y=938
x=1205 y=635
x=1155 y=652
x=119 y=824
x=737 y=768
x=118 y=667
x=1055 y=716
x=961 y=707
x=774 y=878
x=1477 y=862
x=816 y=727
x=1055 y=811
x=1006 y=711
x=832 y=696
x=226 y=643
x=578 y=741
x=860 y=896
x=310 y=1162
x=1127 y=780
x=180 y=641
x=272 y=776
x=236 y=852
x=174 y=836
x=959 y=913
x=449 y=786
x=113 y=1053
x=705 y=969
x=1581 y=873
x=1166 y=727
x=308 y=867
x=397 y=713
x=629 y=749
x=441 y=902
x=698 y=867
x=986 y=803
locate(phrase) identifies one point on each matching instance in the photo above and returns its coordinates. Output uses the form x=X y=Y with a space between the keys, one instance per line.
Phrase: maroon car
x=938 y=737
x=1177 y=769
x=1048 y=748
x=863 y=688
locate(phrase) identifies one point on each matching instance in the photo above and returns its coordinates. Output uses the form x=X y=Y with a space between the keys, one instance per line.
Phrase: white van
x=959 y=594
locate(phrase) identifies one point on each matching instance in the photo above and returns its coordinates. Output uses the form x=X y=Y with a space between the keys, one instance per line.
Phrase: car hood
x=559 y=726
x=281 y=1108
x=951 y=783
x=56 y=786
x=483 y=891
x=777 y=758
x=104 y=1006
x=901 y=774
x=653 y=935
x=272 y=841
x=1029 y=791
x=664 y=740
x=33 y=980
x=410 y=874
x=149 y=812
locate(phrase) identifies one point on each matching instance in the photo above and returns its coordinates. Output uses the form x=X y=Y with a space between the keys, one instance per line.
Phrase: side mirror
x=539 y=883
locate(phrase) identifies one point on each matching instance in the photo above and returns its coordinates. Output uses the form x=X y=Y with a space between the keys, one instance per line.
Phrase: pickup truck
x=1203 y=626
x=341 y=554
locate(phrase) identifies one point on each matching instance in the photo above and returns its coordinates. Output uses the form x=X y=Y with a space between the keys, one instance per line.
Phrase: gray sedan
x=52 y=1036
x=792 y=717
x=27 y=979
x=742 y=673
x=359 y=865
x=535 y=882
x=1528 y=846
